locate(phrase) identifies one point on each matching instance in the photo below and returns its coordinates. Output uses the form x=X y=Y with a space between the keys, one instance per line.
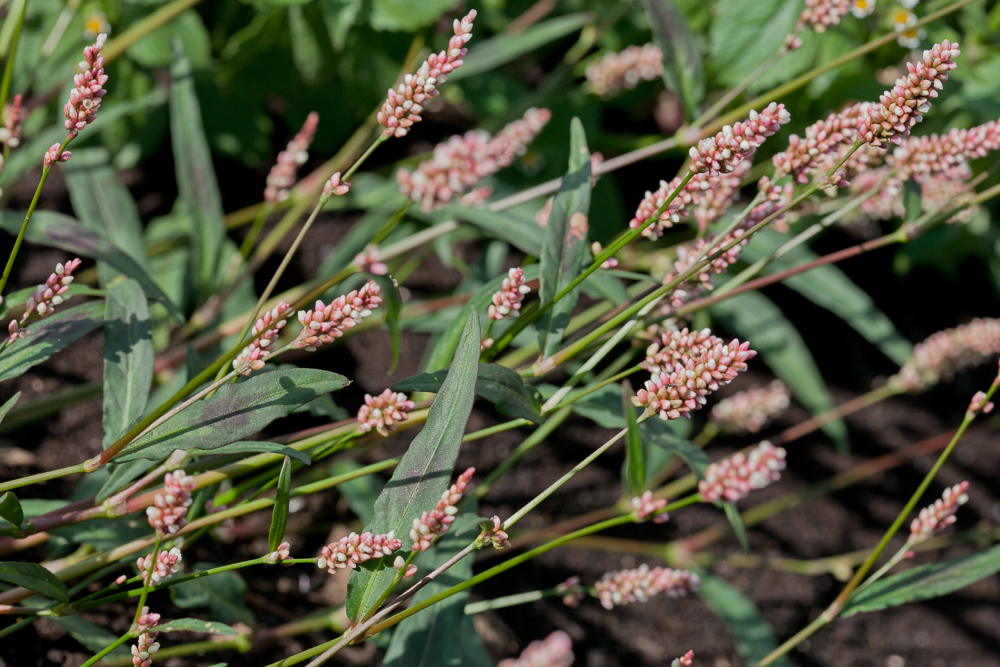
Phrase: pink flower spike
x=494 y=536
x=821 y=138
x=507 y=300
x=49 y=294
x=556 y=650
x=167 y=563
x=166 y=514
x=733 y=478
x=431 y=525
x=283 y=173
x=720 y=154
x=334 y=186
x=749 y=411
x=349 y=551
x=822 y=14
x=626 y=586
x=54 y=155
x=948 y=352
x=10 y=133
x=382 y=412
x=645 y=507
x=326 y=323
x=685 y=660
x=265 y=330
x=929 y=155
x=980 y=404
x=85 y=98
x=935 y=518
x=625 y=70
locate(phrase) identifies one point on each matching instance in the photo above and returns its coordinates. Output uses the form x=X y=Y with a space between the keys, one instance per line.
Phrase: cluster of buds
x=170 y=505
x=685 y=660
x=335 y=186
x=10 y=133
x=406 y=571
x=949 y=189
x=265 y=332
x=625 y=586
x=166 y=564
x=370 y=261
x=458 y=164
x=935 y=518
x=282 y=176
x=55 y=154
x=625 y=70
x=717 y=195
x=701 y=365
x=720 y=154
x=145 y=646
x=774 y=198
x=43 y=302
x=822 y=14
x=902 y=107
x=402 y=106
x=571 y=591
x=885 y=204
x=980 y=404
x=646 y=506
x=749 y=411
x=435 y=523
x=280 y=554
x=85 y=99
x=507 y=300
x=653 y=201
x=556 y=650
x=354 y=549
x=689 y=254
x=947 y=352
x=494 y=535
x=819 y=139
x=325 y=323
x=733 y=478
x=936 y=154
x=382 y=412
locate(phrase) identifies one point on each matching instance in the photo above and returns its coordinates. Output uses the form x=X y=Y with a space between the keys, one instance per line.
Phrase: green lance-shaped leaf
x=128 y=357
x=392 y=303
x=257 y=447
x=279 y=516
x=49 y=336
x=61 y=231
x=565 y=243
x=236 y=412
x=739 y=529
x=5 y=408
x=659 y=433
x=306 y=51
x=754 y=636
x=196 y=625
x=196 y=182
x=757 y=319
x=10 y=509
x=524 y=235
x=742 y=35
x=35 y=578
x=501 y=386
x=683 y=70
x=424 y=472
x=925 y=582
x=635 y=459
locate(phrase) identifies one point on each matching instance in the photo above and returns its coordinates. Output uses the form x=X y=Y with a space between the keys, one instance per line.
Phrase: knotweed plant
x=244 y=441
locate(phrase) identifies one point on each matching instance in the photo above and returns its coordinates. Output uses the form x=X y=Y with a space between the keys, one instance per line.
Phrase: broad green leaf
x=829 y=287
x=563 y=250
x=91 y=636
x=444 y=348
x=360 y=492
x=236 y=412
x=10 y=509
x=739 y=529
x=524 y=235
x=49 y=336
x=339 y=17
x=683 y=70
x=424 y=472
x=279 y=515
x=392 y=303
x=5 y=408
x=501 y=386
x=257 y=447
x=35 y=578
x=128 y=357
x=197 y=186
x=196 y=625
x=442 y=635
x=306 y=52
x=754 y=636
x=635 y=460
x=743 y=35
x=222 y=593
x=661 y=434
x=406 y=14
x=755 y=318
x=925 y=582
x=61 y=231
x=505 y=47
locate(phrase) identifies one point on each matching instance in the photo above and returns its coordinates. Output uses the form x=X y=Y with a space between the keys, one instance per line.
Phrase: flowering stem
x=148 y=579
x=108 y=649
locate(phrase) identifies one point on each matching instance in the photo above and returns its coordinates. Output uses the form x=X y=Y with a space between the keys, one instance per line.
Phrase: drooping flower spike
x=265 y=331
x=935 y=518
x=282 y=176
x=170 y=505
x=325 y=323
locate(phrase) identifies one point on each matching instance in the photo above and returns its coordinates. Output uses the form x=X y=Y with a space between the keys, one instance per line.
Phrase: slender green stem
x=509 y=601
x=108 y=649
x=147 y=579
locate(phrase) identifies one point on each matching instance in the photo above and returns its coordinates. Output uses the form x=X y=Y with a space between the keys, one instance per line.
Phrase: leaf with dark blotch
x=279 y=515
x=739 y=528
x=128 y=357
x=35 y=578
x=425 y=470
x=501 y=386
x=10 y=509
x=49 y=336
x=236 y=412
x=565 y=243
x=754 y=636
x=196 y=625
x=660 y=434
x=925 y=582
x=257 y=447
x=683 y=70
x=635 y=460
x=523 y=235
x=392 y=304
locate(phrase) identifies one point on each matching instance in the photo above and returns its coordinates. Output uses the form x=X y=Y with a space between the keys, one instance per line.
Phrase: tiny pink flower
x=49 y=294
x=507 y=300
x=433 y=524
x=170 y=505
x=935 y=518
x=733 y=478
x=646 y=506
x=980 y=404
x=720 y=154
x=494 y=536
x=625 y=70
x=685 y=660
x=334 y=186
x=370 y=261
x=354 y=549
x=145 y=646
x=556 y=650
x=85 y=98
x=822 y=14
x=749 y=411
x=638 y=585
x=10 y=133
x=280 y=554
x=146 y=621
x=283 y=173
x=819 y=139
x=948 y=352
x=54 y=155
x=382 y=412
x=571 y=591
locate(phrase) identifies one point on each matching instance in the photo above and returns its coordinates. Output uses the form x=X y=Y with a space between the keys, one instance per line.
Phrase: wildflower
x=166 y=514
x=279 y=554
x=900 y=109
x=626 y=586
x=625 y=70
x=949 y=189
x=819 y=139
x=145 y=646
x=354 y=549
x=265 y=331
x=571 y=591
x=370 y=261
x=402 y=106
x=646 y=507
x=862 y=8
x=721 y=153
x=507 y=300
x=166 y=564
x=902 y=19
x=383 y=411
x=888 y=202
x=935 y=154
x=911 y=39
x=436 y=522
x=733 y=478
x=980 y=404
x=749 y=411
x=935 y=518
x=10 y=133
x=48 y=295
x=334 y=186
x=493 y=535
x=282 y=176
x=325 y=323
x=685 y=660
x=947 y=352
x=85 y=99
x=95 y=24
x=54 y=154
x=652 y=203
x=556 y=650
x=718 y=194
x=822 y=14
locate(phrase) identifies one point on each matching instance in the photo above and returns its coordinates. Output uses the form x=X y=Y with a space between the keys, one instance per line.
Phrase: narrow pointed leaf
x=258 y=447
x=49 y=336
x=425 y=470
x=128 y=356
x=635 y=459
x=660 y=434
x=196 y=625
x=683 y=70
x=35 y=578
x=10 y=509
x=501 y=386
x=279 y=516
x=392 y=303
x=754 y=636
x=5 y=408
x=739 y=529
x=523 y=235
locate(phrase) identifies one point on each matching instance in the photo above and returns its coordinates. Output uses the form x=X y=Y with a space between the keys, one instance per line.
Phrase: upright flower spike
x=170 y=505
x=283 y=173
x=403 y=105
x=507 y=300
x=935 y=518
x=900 y=108
x=166 y=564
x=623 y=587
x=556 y=650
x=720 y=154
x=326 y=323
x=625 y=70
x=947 y=352
x=382 y=412
x=801 y=157
x=10 y=133
x=49 y=294
x=433 y=524
x=265 y=331
x=355 y=549
x=735 y=477
x=749 y=411
x=85 y=99
x=918 y=157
